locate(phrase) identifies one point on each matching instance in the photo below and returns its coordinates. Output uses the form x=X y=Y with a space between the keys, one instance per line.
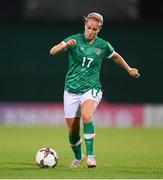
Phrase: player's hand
x=71 y=42
x=133 y=72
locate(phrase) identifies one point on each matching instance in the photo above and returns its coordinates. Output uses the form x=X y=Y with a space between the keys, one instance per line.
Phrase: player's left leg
x=89 y=102
x=88 y=109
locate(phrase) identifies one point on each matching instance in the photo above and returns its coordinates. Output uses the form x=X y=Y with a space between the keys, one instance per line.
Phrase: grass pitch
x=120 y=153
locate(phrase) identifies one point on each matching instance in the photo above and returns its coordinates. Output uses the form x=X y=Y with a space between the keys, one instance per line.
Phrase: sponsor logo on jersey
x=81 y=48
x=98 y=51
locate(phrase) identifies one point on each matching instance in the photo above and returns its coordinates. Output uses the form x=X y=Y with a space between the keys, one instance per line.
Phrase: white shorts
x=73 y=102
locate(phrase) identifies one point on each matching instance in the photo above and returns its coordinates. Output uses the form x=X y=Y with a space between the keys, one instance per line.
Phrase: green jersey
x=85 y=63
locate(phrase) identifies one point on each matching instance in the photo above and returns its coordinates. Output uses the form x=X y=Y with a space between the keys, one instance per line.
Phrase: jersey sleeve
x=109 y=51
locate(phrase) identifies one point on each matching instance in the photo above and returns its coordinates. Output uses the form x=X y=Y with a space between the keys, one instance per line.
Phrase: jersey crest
x=98 y=51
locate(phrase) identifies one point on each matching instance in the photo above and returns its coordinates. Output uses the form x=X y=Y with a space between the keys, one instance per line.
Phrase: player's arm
x=62 y=46
x=120 y=61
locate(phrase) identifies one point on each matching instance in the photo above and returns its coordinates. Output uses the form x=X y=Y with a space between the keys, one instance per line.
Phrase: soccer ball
x=46 y=158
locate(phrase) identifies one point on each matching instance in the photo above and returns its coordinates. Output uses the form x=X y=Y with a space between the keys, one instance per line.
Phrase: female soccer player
x=82 y=85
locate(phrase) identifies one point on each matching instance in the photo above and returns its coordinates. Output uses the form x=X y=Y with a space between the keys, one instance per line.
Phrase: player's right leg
x=75 y=140
x=72 y=116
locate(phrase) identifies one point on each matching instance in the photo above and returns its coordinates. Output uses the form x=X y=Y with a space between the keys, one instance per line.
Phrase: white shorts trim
x=73 y=102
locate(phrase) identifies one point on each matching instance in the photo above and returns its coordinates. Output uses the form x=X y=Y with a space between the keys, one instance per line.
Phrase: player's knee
x=86 y=117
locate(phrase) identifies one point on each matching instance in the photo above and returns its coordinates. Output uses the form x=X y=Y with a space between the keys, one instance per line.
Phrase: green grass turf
x=120 y=153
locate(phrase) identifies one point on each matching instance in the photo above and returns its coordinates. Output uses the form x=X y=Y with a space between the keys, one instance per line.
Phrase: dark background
x=29 y=28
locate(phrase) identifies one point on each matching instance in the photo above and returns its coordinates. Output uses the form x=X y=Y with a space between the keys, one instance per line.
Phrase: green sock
x=75 y=142
x=89 y=134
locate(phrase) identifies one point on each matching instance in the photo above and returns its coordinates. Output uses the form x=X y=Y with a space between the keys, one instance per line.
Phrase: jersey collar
x=85 y=39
